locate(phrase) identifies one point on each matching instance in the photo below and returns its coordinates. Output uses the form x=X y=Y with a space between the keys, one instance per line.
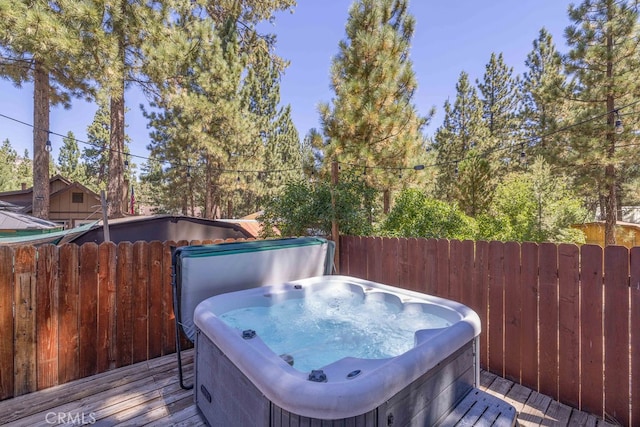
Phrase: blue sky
x=450 y=37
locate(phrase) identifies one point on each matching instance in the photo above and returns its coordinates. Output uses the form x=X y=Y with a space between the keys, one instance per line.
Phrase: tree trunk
x=40 y=201
x=115 y=190
x=610 y=177
x=386 y=201
x=208 y=197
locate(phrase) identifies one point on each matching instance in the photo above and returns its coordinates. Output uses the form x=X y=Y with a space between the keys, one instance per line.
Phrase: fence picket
x=569 y=324
x=345 y=247
x=496 y=308
x=6 y=322
x=616 y=332
x=68 y=304
x=417 y=264
x=168 y=318
x=467 y=263
x=124 y=304
x=431 y=266
x=88 y=309
x=456 y=267
x=140 y=300
x=591 y=333
x=357 y=257
x=442 y=268
x=512 y=312
x=480 y=285
x=404 y=266
x=374 y=261
x=548 y=288
x=529 y=314
x=155 y=299
x=47 y=316
x=389 y=261
x=24 y=326
x=634 y=270
x=106 y=319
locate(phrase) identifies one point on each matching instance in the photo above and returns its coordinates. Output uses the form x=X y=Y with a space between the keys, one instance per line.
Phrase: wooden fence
x=73 y=311
x=561 y=319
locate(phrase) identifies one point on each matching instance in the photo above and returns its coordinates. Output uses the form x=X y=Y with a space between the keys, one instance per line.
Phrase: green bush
x=416 y=215
x=305 y=208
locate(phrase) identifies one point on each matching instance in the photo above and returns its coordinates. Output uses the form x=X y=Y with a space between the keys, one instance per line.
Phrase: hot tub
x=241 y=380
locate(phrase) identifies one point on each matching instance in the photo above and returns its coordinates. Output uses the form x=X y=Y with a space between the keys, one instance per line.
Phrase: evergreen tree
x=500 y=103
x=95 y=155
x=24 y=173
x=277 y=142
x=544 y=105
x=475 y=185
x=372 y=120
x=8 y=159
x=203 y=119
x=41 y=42
x=69 y=160
x=604 y=64
x=283 y=153
x=462 y=131
x=151 y=188
x=312 y=153
x=126 y=27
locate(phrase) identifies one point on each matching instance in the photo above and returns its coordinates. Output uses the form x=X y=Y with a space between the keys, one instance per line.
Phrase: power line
x=365 y=167
x=177 y=164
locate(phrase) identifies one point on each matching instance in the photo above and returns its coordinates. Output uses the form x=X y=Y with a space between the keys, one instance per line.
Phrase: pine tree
x=8 y=158
x=285 y=155
x=277 y=142
x=24 y=174
x=41 y=42
x=372 y=120
x=475 y=184
x=150 y=190
x=203 y=118
x=544 y=90
x=312 y=153
x=95 y=155
x=500 y=103
x=69 y=160
x=604 y=64
x=462 y=132
x=123 y=32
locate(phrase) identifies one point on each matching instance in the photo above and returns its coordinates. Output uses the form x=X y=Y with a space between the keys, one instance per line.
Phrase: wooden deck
x=148 y=394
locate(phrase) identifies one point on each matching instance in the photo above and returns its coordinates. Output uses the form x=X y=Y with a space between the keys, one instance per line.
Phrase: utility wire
x=365 y=167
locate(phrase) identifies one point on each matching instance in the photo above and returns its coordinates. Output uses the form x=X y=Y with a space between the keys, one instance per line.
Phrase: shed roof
x=18 y=221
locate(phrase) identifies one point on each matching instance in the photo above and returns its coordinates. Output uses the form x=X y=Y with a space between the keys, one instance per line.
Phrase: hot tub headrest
x=203 y=271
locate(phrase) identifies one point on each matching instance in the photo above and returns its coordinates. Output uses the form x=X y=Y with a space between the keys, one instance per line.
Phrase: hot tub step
x=479 y=408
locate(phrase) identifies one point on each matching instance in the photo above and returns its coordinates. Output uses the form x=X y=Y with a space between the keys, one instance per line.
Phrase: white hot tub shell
x=243 y=382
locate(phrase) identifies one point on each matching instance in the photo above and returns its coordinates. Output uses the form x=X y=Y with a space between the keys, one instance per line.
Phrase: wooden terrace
x=148 y=394
x=90 y=329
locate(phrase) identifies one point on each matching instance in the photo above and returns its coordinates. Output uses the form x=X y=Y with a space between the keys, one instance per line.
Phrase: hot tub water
x=335 y=323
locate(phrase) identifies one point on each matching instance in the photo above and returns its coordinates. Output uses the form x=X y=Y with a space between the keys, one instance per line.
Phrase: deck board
x=148 y=394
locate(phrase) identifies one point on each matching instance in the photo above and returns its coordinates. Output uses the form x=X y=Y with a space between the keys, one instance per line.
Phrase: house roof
x=30 y=189
x=75 y=186
x=11 y=207
x=251 y=226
